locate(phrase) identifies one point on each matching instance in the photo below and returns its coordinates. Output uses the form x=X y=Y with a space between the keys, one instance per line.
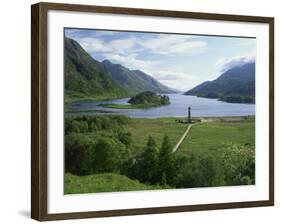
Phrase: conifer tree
x=148 y=162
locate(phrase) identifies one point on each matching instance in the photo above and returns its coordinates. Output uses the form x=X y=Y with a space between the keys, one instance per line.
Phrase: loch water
x=178 y=107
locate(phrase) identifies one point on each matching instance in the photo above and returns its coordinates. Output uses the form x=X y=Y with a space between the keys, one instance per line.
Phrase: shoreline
x=220 y=99
x=88 y=99
x=204 y=118
x=129 y=106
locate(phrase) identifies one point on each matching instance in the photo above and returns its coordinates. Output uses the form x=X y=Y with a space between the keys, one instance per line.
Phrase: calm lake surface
x=200 y=107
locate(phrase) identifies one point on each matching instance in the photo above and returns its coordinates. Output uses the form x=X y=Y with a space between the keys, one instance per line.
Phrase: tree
x=124 y=137
x=79 y=154
x=147 y=164
x=110 y=155
x=166 y=167
x=75 y=126
x=185 y=170
x=211 y=172
x=200 y=171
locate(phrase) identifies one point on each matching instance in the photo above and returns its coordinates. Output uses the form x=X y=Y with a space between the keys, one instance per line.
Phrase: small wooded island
x=145 y=99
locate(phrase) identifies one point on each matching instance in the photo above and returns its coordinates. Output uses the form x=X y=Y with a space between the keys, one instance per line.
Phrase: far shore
x=87 y=99
x=195 y=119
x=129 y=106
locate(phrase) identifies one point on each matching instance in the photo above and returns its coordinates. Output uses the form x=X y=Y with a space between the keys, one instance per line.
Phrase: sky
x=179 y=61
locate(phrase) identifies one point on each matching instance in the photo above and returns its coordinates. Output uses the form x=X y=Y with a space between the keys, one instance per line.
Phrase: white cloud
x=130 y=61
x=235 y=61
x=247 y=42
x=78 y=33
x=162 y=41
x=125 y=51
x=71 y=32
x=101 y=33
x=177 y=80
x=161 y=44
x=220 y=61
x=172 y=44
x=91 y=45
x=122 y=46
x=97 y=45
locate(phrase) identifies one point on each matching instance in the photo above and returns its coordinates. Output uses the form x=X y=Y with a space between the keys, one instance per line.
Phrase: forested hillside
x=86 y=78
x=234 y=85
x=135 y=81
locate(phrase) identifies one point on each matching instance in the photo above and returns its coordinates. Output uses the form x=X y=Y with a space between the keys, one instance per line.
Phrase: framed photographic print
x=139 y=111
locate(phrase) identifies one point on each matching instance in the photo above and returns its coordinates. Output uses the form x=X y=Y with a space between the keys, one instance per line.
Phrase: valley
x=125 y=130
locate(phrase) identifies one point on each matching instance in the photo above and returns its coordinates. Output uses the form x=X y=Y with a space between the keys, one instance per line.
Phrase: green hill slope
x=106 y=182
x=235 y=85
x=135 y=81
x=86 y=78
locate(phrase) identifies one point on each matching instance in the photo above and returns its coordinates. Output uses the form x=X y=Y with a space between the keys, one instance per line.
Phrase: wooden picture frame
x=39 y=109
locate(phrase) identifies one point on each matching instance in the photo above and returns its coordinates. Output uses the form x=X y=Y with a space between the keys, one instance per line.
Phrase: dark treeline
x=238 y=99
x=99 y=144
x=230 y=98
x=149 y=98
x=95 y=144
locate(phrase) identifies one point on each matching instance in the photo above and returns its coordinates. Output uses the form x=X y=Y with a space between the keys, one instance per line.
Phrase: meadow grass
x=210 y=136
x=142 y=128
x=104 y=182
x=72 y=110
x=73 y=97
x=203 y=137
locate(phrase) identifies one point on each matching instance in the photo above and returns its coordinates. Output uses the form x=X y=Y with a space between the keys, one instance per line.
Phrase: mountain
x=135 y=80
x=86 y=78
x=197 y=88
x=234 y=85
x=154 y=83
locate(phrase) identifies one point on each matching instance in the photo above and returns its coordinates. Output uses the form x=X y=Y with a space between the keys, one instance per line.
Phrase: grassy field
x=203 y=137
x=209 y=136
x=72 y=97
x=105 y=182
x=142 y=128
x=72 y=110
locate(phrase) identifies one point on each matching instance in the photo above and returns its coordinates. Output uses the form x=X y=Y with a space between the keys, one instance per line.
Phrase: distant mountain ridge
x=86 y=78
x=89 y=79
x=135 y=80
x=234 y=85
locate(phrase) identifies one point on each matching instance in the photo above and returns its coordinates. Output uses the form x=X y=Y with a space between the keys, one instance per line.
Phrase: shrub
x=238 y=163
x=79 y=154
x=201 y=171
x=110 y=155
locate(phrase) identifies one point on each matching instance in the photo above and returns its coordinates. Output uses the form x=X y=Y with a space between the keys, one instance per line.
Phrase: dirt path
x=182 y=138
